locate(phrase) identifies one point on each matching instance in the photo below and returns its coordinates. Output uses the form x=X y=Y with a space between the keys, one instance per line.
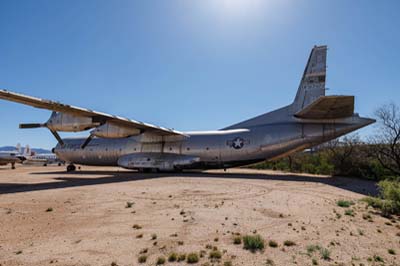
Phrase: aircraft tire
x=71 y=168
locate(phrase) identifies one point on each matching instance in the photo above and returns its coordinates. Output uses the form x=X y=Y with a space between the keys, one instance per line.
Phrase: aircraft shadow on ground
x=67 y=180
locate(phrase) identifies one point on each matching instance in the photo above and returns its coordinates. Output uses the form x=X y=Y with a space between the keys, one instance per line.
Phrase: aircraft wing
x=97 y=116
x=328 y=107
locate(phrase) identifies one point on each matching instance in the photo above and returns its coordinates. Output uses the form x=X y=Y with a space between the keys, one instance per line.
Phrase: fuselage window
x=188 y=149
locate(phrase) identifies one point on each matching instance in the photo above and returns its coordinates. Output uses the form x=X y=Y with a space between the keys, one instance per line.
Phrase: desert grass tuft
x=142 y=259
x=160 y=260
x=269 y=262
x=237 y=240
x=192 y=258
x=215 y=254
x=289 y=243
x=312 y=248
x=349 y=212
x=344 y=203
x=325 y=253
x=136 y=226
x=253 y=242
x=182 y=257
x=172 y=257
x=129 y=204
x=272 y=244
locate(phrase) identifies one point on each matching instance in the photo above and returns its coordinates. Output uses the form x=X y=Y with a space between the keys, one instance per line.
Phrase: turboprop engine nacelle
x=69 y=123
x=110 y=130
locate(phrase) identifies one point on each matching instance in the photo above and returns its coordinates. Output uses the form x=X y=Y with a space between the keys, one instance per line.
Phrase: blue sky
x=190 y=65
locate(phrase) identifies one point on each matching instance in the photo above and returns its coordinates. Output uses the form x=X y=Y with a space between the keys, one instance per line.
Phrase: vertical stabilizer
x=312 y=84
x=18 y=147
x=27 y=151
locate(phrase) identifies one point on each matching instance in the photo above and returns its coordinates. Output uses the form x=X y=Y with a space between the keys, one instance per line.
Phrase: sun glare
x=238 y=7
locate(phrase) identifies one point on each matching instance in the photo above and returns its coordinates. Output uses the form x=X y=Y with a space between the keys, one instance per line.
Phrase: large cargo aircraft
x=311 y=119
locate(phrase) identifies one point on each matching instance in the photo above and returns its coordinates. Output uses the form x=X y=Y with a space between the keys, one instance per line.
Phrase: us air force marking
x=237 y=143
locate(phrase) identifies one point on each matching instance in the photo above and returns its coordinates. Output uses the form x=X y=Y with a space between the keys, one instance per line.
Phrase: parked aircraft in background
x=11 y=157
x=42 y=158
x=311 y=119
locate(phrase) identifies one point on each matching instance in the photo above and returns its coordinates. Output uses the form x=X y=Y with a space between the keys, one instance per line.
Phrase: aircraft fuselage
x=215 y=149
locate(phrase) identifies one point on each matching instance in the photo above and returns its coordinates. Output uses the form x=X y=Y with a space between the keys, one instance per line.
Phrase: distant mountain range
x=36 y=150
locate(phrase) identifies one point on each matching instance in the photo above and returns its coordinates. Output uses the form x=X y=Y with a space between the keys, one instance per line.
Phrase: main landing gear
x=71 y=167
x=13 y=166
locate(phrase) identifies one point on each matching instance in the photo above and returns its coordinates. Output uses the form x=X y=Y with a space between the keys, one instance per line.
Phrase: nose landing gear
x=71 y=167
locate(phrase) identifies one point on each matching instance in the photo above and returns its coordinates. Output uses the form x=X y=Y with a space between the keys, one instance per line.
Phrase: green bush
x=389 y=200
x=356 y=160
x=253 y=242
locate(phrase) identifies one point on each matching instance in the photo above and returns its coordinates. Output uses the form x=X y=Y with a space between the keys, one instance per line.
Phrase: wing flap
x=328 y=107
x=97 y=116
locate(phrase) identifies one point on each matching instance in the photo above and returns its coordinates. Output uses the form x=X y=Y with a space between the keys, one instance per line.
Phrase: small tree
x=343 y=153
x=386 y=143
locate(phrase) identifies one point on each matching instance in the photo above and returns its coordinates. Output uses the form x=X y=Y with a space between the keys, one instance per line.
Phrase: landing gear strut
x=13 y=166
x=71 y=168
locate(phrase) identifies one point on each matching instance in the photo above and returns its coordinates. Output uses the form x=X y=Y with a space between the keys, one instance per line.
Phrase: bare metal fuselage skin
x=281 y=135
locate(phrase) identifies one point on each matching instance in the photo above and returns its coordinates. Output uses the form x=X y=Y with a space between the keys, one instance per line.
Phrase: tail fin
x=27 y=151
x=18 y=147
x=312 y=87
x=312 y=84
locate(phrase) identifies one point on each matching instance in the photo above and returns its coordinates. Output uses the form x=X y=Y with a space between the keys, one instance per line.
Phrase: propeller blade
x=87 y=141
x=31 y=125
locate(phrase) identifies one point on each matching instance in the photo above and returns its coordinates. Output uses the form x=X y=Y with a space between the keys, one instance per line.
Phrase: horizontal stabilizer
x=328 y=107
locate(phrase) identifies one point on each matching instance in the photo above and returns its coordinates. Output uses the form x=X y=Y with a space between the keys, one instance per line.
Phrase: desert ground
x=110 y=216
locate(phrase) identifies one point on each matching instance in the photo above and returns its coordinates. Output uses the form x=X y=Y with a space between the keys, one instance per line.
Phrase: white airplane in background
x=11 y=157
x=43 y=158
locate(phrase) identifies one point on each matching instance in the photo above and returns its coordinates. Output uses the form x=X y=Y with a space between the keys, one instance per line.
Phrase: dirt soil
x=48 y=216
